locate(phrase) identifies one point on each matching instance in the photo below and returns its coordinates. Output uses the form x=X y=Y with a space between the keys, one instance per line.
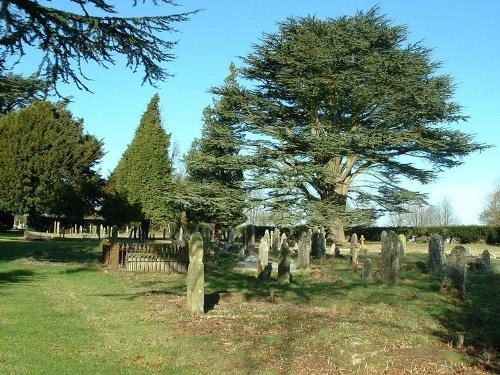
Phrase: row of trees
x=332 y=115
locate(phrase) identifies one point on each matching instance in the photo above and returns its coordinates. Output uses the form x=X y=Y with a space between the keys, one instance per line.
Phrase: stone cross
x=354 y=248
x=367 y=270
x=284 y=262
x=455 y=272
x=196 y=275
x=437 y=259
x=263 y=256
x=390 y=258
x=402 y=239
x=304 y=250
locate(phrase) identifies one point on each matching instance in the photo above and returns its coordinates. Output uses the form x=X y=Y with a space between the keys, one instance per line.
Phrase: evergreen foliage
x=17 y=91
x=214 y=166
x=92 y=33
x=347 y=108
x=47 y=163
x=139 y=188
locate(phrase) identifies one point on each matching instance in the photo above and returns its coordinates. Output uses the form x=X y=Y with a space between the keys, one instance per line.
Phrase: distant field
x=61 y=312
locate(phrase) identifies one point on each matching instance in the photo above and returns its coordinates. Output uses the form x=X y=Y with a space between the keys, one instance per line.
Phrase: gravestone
x=263 y=263
x=437 y=259
x=284 y=262
x=485 y=263
x=455 y=272
x=230 y=238
x=402 y=239
x=195 y=275
x=362 y=245
x=383 y=236
x=322 y=243
x=281 y=241
x=354 y=248
x=367 y=270
x=390 y=258
x=250 y=238
x=275 y=240
x=315 y=242
x=304 y=250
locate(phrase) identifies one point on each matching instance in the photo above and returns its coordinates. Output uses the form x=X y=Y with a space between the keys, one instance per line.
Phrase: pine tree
x=344 y=108
x=214 y=166
x=47 y=163
x=143 y=176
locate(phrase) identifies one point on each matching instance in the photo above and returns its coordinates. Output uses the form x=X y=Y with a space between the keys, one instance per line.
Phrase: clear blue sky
x=464 y=34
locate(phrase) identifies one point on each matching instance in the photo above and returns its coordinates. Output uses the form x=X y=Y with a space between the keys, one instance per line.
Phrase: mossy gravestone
x=196 y=276
x=455 y=272
x=402 y=250
x=367 y=271
x=390 y=258
x=437 y=259
x=262 y=266
x=485 y=263
x=284 y=263
x=304 y=250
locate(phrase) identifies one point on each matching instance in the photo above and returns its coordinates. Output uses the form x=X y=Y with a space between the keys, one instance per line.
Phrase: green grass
x=60 y=312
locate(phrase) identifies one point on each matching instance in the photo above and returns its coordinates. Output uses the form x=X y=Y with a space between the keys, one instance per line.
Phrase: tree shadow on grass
x=79 y=251
x=15 y=276
x=477 y=317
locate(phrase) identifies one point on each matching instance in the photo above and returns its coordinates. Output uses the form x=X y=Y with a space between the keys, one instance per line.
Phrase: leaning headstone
x=485 y=263
x=284 y=263
x=315 y=243
x=402 y=239
x=354 y=248
x=437 y=259
x=304 y=250
x=195 y=275
x=390 y=258
x=367 y=270
x=455 y=272
x=263 y=256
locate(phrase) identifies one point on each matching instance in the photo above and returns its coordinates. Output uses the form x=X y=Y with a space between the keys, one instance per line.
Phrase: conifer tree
x=143 y=176
x=47 y=163
x=347 y=108
x=214 y=166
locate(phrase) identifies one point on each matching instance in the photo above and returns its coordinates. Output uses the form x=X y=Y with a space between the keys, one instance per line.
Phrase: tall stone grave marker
x=367 y=270
x=437 y=258
x=455 y=272
x=304 y=250
x=196 y=275
x=284 y=262
x=485 y=264
x=262 y=266
x=354 y=248
x=402 y=239
x=390 y=258
x=322 y=244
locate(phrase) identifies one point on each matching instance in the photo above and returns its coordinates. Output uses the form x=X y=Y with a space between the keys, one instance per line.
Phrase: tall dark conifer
x=143 y=177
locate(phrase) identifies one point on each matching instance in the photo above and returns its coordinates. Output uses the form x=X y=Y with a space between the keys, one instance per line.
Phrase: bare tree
x=491 y=212
x=446 y=212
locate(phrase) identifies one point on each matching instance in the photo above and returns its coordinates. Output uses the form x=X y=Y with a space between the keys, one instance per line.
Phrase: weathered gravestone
x=437 y=259
x=367 y=270
x=322 y=244
x=315 y=242
x=455 y=272
x=383 y=236
x=390 y=258
x=402 y=239
x=354 y=248
x=275 y=240
x=284 y=262
x=281 y=241
x=263 y=263
x=195 y=275
x=485 y=262
x=304 y=250
x=362 y=245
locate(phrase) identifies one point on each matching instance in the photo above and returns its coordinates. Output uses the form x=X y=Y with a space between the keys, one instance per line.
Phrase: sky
x=463 y=34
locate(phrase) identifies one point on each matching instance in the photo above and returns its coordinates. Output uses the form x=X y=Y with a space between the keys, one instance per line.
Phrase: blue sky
x=464 y=35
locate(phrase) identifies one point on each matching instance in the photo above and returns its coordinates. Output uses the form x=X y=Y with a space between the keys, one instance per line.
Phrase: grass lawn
x=61 y=312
